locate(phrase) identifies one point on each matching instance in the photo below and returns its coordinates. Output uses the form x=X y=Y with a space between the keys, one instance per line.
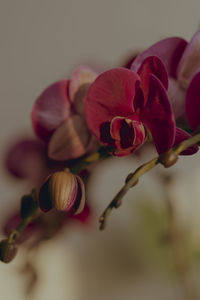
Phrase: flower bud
x=168 y=159
x=8 y=251
x=63 y=191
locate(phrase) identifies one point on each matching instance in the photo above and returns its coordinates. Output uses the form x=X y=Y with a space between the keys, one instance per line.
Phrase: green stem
x=133 y=177
x=76 y=168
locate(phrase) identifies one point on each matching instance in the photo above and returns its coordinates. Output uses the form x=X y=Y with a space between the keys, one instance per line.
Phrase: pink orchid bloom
x=122 y=105
x=57 y=116
x=182 y=61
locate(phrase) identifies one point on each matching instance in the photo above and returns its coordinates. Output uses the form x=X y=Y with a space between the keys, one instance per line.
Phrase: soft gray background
x=42 y=41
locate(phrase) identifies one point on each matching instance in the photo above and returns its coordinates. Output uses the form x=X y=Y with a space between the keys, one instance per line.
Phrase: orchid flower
x=182 y=61
x=122 y=106
x=57 y=116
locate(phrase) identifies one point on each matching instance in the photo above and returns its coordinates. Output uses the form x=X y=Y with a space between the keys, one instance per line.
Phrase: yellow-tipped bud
x=63 y=191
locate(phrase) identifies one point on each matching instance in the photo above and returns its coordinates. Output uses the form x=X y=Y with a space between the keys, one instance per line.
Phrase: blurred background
x=42 y=41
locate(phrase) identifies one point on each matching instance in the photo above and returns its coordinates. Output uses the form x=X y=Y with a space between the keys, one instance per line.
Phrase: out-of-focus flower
x=57 y=116
x=63 y=191
x=27 y=159
x=182 y=61
x=121 y=105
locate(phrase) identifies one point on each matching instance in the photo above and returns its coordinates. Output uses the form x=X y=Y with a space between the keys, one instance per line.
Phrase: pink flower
x=27 y=159
x=121 y=106
x=57 y=116
x=182 y=61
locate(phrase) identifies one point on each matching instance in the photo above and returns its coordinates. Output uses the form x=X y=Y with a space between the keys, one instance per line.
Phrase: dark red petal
x=152 y=65
x=190 y=61
x=192 y=104
x=182 y=135
x=128 y=135
x=158 y=116
x=27 y=159
x=168 y=50
x=122 y=130
x=51 y=109
x=83 y=217
x=110 y=95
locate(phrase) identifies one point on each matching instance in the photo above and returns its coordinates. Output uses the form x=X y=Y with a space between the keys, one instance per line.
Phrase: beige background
x=42 y=41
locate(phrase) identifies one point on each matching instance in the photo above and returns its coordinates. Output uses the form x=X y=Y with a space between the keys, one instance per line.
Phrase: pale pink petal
x=168 y=50
x=192 y=104
x=70 y=140
x=182 y=135
x=110 y=95
x=81 y=76
x=50 y=109
x=190 y=61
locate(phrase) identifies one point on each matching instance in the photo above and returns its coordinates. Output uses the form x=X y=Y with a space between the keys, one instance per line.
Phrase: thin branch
x=133 y=177
x=76 y=168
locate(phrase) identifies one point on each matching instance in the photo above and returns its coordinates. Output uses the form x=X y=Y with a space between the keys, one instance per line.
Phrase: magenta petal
x=70 y=140
x=192 y=104
x=168 y=50
x=51 y=109
x=152 y=65
x=158 y=116
x=182 y=135
x=83 y=217
x=27 y=159
x=81 y=76
x=110 y=95
x=190 y=61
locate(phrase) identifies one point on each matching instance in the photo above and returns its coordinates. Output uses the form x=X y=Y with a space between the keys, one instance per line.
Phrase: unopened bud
x=168 y=159
x=63 y=191
x=8 y=251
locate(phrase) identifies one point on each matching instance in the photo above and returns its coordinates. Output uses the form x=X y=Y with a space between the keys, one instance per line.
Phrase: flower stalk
x=134 y=177
x=29 y=217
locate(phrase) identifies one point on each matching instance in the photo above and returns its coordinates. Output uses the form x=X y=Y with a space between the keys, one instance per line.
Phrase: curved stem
x=76 y=168
x=133 y=177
